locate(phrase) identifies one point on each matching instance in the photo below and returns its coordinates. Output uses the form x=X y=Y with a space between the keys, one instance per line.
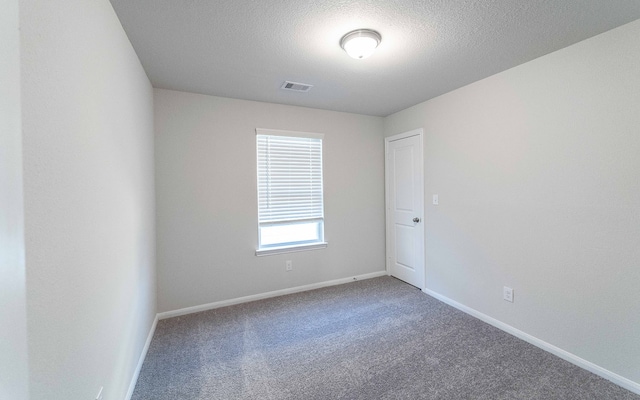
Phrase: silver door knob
x=416 y=220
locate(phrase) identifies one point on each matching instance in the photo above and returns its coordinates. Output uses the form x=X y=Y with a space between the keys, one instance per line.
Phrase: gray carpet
x=373 y=339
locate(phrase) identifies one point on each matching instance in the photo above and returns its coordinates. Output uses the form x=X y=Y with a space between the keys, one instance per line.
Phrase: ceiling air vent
x=296 y=86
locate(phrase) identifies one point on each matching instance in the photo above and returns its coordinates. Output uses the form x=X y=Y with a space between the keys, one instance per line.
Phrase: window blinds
x=289 y=178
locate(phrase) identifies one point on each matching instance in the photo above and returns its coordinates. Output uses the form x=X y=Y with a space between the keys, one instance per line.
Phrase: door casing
x=388 y=212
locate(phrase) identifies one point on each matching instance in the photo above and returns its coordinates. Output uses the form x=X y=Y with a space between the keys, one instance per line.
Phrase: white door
x=405 y=207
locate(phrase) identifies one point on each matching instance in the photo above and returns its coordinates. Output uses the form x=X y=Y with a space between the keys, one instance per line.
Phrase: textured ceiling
x=247 y=48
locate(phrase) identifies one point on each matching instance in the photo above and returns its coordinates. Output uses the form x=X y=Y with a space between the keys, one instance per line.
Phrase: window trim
x=290 y=249
x=295 y=247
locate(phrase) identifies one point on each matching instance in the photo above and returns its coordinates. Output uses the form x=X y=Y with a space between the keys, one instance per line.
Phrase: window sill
x=290 y=249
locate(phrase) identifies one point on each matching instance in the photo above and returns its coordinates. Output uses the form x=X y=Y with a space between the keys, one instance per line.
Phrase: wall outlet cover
x=507 y=294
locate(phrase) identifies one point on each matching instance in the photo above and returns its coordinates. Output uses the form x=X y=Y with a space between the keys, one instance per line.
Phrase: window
x=290 y=205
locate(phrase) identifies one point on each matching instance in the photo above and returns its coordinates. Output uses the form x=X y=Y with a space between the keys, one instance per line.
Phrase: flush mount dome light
x=360 y=43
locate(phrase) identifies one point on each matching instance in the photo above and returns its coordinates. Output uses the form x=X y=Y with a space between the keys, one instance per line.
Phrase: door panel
x=405 y=206
x=404 y=247
x=403 y=182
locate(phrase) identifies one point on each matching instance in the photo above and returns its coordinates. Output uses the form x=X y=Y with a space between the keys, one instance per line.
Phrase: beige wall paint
x=207 y=201
x=88 y=199
x=538 y=175
x=13 y=320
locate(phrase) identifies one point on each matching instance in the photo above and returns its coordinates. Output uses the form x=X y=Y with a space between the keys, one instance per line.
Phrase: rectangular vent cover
x=296 y=86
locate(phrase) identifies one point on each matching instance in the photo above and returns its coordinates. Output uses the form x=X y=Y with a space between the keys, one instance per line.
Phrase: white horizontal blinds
x=289 y=178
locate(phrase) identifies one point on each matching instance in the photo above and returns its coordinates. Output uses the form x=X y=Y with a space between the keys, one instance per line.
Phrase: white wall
x=13 y=321
x=207 y=201
x=538 y=173
x=89 y=199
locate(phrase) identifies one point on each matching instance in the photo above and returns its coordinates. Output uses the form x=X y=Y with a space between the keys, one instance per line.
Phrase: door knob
x=416 y=220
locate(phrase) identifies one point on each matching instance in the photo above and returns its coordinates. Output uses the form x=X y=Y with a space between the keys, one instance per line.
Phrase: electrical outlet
x=507 y=294
x=99 y=396
x=289 y=265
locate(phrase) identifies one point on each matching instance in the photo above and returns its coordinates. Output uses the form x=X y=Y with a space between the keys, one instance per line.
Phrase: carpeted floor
x=372 y=339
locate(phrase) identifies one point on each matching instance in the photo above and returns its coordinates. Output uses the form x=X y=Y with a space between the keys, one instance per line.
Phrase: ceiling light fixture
x=360 y=43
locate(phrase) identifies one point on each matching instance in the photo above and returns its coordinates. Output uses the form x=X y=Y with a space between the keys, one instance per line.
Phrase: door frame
x=387 y=192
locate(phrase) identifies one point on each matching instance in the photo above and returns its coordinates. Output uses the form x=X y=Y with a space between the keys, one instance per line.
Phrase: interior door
x=405 y=207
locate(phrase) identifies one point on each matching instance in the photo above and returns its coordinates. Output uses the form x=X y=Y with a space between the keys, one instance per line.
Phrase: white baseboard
x=246 y=299
x=565 y=355
x=143 y=355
